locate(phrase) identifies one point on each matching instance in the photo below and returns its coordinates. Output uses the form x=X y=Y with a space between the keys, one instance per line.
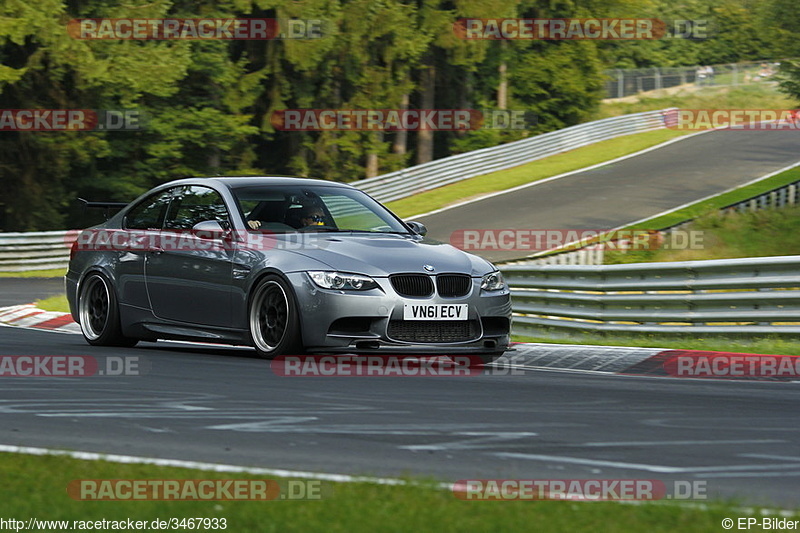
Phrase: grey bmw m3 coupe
x=286 y=265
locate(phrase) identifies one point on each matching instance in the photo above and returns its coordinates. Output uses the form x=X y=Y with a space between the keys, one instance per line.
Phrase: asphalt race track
x=15 y=291
x=223 y=405
x=629 y=190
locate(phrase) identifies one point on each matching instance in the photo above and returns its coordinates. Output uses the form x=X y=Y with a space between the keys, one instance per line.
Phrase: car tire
x=273 y=319
x=98 y=313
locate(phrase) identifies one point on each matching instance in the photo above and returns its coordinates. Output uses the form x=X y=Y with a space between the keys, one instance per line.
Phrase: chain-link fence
x=626 y=82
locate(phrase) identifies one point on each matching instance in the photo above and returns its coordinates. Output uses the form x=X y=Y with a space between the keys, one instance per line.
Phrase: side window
x=149 y=214
x=196 y=204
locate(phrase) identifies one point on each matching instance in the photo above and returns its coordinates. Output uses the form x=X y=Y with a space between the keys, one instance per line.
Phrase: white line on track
x=559 y=176
x=687 y=204
x=668 y=211
x=682 y=443
x=336 y=478
x=208 y=467
x=662 y=469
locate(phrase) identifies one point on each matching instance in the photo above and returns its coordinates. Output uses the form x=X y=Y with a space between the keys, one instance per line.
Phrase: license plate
x=435 y=311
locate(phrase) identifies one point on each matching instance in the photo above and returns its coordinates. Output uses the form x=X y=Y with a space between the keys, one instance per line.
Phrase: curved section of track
x=15 y=291
x=629 y=190
x=223 y=405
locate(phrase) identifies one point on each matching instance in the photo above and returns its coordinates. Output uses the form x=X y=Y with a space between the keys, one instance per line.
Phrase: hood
x=382 y=254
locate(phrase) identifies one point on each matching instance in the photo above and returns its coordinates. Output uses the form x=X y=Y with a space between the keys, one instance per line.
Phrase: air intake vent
x=452 y=285
x=416 y=285
x=433 y=330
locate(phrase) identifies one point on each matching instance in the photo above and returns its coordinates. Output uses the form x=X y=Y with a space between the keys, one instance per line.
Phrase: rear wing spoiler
x=106 y=206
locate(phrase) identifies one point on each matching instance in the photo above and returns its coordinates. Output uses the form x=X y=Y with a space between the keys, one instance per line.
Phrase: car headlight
x=342 y=281
x=493 y=282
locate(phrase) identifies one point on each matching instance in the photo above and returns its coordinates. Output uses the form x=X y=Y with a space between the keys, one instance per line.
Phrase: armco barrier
x=49 y=249
x=785 y=196
x=752 y=296
x=413 y=180
x=39 y=250
x=733 y=296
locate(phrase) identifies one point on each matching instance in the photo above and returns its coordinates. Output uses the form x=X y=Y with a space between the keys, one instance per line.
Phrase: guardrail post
x=761 y=289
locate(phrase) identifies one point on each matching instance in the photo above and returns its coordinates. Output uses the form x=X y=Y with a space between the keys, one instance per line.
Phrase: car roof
x=236 y=182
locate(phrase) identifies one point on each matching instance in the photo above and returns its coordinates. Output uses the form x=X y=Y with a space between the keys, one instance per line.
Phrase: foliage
x=207 y=106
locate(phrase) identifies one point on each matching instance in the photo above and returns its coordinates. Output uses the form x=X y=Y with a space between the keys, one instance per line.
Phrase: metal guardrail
x=779 y=197
x=38 y=250
x=730 y=296
x=50 y=249
x=420 y=178
x=588 y=255
x=733 y=296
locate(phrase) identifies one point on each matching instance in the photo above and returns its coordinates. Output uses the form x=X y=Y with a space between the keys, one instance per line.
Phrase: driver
x=312 y=216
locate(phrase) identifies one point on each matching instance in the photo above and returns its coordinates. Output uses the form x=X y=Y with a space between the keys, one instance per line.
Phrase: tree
x=789 y=78
x=192 y=93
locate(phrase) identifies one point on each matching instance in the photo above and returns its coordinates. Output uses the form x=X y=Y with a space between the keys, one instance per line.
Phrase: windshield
x=291 y=208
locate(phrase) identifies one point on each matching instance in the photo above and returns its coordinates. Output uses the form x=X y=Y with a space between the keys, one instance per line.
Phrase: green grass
x=36 y=487
x=54 y=303
x=754 y=96
x=530 y=172
x=708 y=208
x=710 y=205
x=763 y=345
x=768 y=232
x=54 y=273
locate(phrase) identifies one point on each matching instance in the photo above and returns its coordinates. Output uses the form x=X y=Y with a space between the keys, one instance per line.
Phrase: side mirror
x=208 y=229
x=417 y=227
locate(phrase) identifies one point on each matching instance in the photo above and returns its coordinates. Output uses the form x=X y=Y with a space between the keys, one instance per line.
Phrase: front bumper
x=372 y=321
